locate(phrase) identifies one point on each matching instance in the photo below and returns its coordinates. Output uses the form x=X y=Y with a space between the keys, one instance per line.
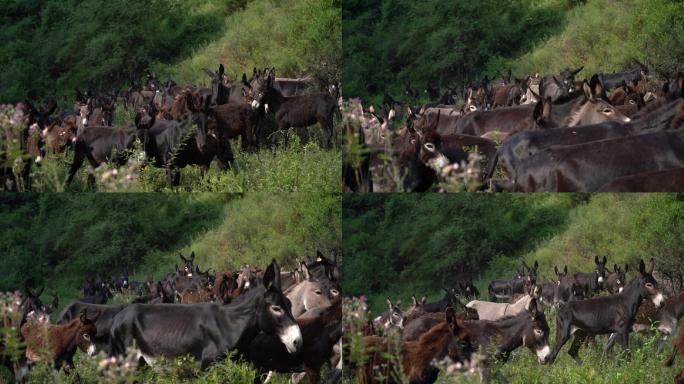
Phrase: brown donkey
x=440 y=341
x=60 y=341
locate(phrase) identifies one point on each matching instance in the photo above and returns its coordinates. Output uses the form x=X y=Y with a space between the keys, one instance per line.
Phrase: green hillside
x=398 y=245
x=57 y=240
x=405 y=244
x=55 y=46
x=391 y=43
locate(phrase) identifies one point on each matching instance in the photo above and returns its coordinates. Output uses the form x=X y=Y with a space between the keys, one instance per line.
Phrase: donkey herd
x=287 y=322
x=468 y=337
x=177 y=126
x=611 y=132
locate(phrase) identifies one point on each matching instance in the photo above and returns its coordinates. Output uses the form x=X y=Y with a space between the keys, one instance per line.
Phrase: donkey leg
x=562 y=335
x=79 y=157
x=624 y=340
x=661 y=344
x=611 y=342
x=574 y=348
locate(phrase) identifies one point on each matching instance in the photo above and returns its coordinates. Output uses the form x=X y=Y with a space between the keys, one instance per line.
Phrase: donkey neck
x=240 y=317
x=275 y=99
x=631 y=295
x=430 y=346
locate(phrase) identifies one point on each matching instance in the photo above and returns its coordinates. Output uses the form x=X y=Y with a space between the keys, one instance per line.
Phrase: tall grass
x=608 y=35
x=297 y=37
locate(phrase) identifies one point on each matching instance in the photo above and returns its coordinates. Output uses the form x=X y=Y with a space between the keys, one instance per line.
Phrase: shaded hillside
x=57 y=240
x=54 y=46
x=392 y=43
x=402 y=244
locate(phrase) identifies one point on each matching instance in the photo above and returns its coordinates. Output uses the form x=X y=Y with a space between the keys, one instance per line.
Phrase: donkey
x=487 y=310
x=501 y=337
x=173 y=145
x=557 y=86
x=193 y=296
x=666 y=317
x=311 y=293
x=209 y=331
x=606 y=314
x=442 y=340
x=102 y=144
x=504 y=289
x=298 y=111
x=321 y=329
x=441 y=305
x=592 y=282
x=567 y=287
x=615 y=281
x=61 y=341
x=392 y=318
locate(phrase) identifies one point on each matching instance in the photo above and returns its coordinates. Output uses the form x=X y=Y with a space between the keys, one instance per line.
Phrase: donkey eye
x=334 y=292
x=276 y=309
x=538 y=332
x=318 y=292
x=649 y=285
x=632 y=102
x=607 y=111
x=86 y=336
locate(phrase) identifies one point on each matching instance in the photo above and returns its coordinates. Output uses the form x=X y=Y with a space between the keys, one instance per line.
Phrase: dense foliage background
x=52 y=46
x=400 y=244
x=57 y=240
x=391 y=43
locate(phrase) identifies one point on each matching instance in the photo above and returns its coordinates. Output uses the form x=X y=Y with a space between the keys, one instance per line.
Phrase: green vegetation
x=57 y=240
x=399 y=245
x=61 y=45
x=54 y=46
x=391 y=43
x=405 y=244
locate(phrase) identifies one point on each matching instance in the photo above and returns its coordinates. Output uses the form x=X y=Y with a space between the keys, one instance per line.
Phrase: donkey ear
x=642 y=266
x=597 y=87
x=565 y=269
x=221 y=70
x=626 y=267
x=414 y=302
x=450 y=316
x=616 y=268
x=389 y=302
x=305 y=271
x=423 y=300
x=651 y=266
x=587 y=90
x=532 y=307
x=596 y=260
x=555 y=269
x=536 y=265
x=272 y=276
x=605 y=260
x=183 y=258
